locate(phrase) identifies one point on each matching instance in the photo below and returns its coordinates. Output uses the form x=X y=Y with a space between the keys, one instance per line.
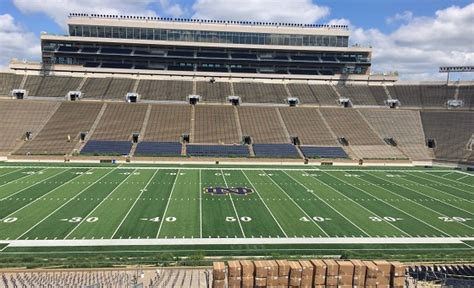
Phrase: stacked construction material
x=319 y=273
x=234 y=275
x=371 y=275
x=283 y=273
x=360 y=270
x=248 y=271
x=218 y=274
x=383 y=274
x=346 y=274
x=296 y=272
x=332 y=273
x=309 y=273
x=398 y=275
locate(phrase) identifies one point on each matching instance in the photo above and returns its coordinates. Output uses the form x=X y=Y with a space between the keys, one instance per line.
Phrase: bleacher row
x=60 y=128
x=108 y=88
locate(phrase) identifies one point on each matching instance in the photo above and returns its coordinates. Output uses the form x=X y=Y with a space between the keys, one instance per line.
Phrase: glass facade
x=208 y=36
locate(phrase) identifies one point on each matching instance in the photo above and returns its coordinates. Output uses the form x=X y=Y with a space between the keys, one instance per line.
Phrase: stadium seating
x=167 y=123
x=404 y=126
x=349 y=123
x=451 y=132
x=95 y=87
x=304 y=93
x=119 y=121
x=325 y=94
x=408 y=95
x=51 y=86
x=466 y=94
x=260 y=92
x=19 y=117
x=269 y=128
x=377 y=152
x=118 y=88
x=70 y=119
x=323 y=152
x=215 y=124
x=168 y=90
x=358 y=94
x=307 y=124
x=217 y=150
x=213 y=91
x=8 y=82
x=275 y=150
x=158 y=149
x=113 y=148
x=436 y=95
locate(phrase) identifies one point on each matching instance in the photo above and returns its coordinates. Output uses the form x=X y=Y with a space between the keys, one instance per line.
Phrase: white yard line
x=269 y=211
x=347 y=183
x=65 y=183
x=405 y=187
x=294 y=202
x=233 y=205
x=398 y=195
x=168 y=203
x=444 y=184
x=352 y=200
x=23 y=177
x=229 y=241
x=429 y=187
x=64 y=204
x=39 y=182
x=98 y=205
x=200 y=204
x=14 y=171
x=135 y=202
x=461 y=179
x=465 y=175
x=329 y=205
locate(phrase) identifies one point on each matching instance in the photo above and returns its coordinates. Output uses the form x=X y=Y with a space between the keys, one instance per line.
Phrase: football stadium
x=152 y=142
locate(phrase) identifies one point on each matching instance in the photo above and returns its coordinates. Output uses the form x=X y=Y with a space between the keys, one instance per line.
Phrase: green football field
x=173 y=204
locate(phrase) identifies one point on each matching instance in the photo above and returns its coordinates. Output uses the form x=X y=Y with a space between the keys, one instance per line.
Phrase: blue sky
x=415 y=28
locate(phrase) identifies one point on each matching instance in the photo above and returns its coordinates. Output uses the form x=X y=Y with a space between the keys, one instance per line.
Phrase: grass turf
x=168 y=201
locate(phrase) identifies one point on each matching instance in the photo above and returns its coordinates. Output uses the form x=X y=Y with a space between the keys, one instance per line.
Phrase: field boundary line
x=461 y=179
x=135 y=202
x=168 y=203
x=41 y=181
x=308 y=190
x=294 y=202
x=257 y=168
x=470 y=193
x=64 y=204
x=352 y=200
x=405 y=187
x=98 y=205
x=233 y=205
x=398 y=195
x=429 y=187
x=243 y=241
x=30 y=203
x=263 y=201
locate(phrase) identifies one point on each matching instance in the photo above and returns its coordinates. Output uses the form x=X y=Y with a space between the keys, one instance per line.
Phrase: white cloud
x=173 y=10
x=58 y=10
x=417 y=49
x=404 y=16
x=293 y=11
x=16 y=41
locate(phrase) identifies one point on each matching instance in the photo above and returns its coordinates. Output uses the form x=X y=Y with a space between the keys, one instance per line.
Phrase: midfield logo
x=226 y=190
